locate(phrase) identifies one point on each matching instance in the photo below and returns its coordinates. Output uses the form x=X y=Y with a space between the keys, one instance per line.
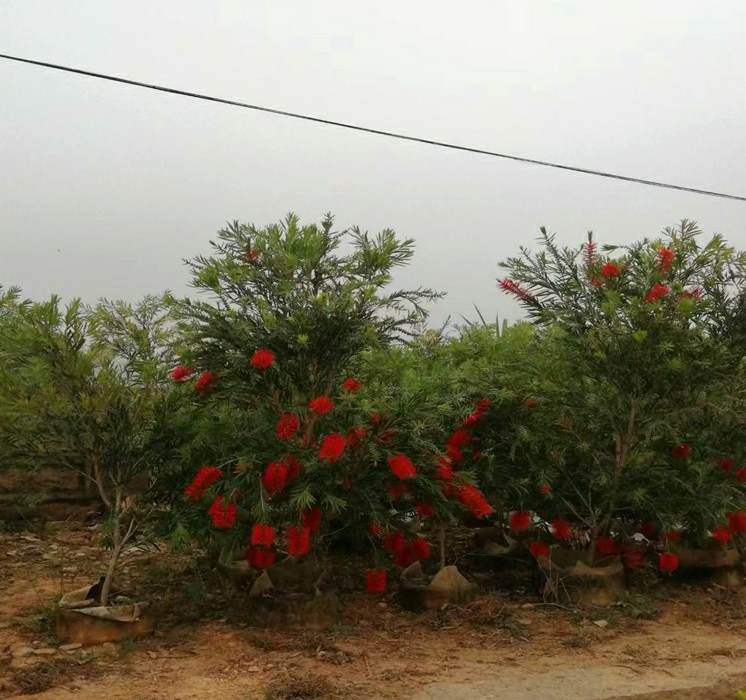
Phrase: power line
x=370 y=130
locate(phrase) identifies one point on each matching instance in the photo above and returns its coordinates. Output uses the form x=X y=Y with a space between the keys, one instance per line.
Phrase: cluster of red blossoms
x=511 y=287
x=403 y=552
x=223 y=515
x=202 y=481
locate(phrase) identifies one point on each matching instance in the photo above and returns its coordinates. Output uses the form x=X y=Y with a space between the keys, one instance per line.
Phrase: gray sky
x=105 y=188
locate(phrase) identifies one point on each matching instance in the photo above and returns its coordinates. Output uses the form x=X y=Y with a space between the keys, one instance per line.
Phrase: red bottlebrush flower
x=721 y=534
x=671 y=537
x=425 y=510
x=589 y=253
x=668 y=562
x=299 y=540
x=205 y=381
x=406 y=556
x=262 y=535
x=262 y=558
x=332 y=447
x=287 y=426
x=473 y=418
x=394 y=542
x=695 y=293
x=352 y=385
x=182 y=372
x=454 y=454
x=375 y=529
x=597 y=282
x=321 y=405
x=375 y=581
x=420 y=548
x=538 y=549
x=545 y=489
x=681 y=451
x=397 y=490
x=223 y=516
x=741 y=475
x=649 y=529
x=561 y=528
x=606 y=546
x=656 y=292
x=401 y=466
x=203 y=479
x=274 y=477
x=294 y=466
x=610 y=270
x=444 y=470
x=262 y=359
x=311 y=519
x=737 y=522
x=530 y=403
x=483 y=405
x=474 y=500
x=515 y=289
x=726 y=463
x=459 y=438
x=665 y=258
x=634 y=557
x=520 y=520
x=252 y=255
x=356 y=436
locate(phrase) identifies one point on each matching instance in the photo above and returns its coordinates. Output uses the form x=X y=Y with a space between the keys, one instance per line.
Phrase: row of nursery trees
x=299 y=400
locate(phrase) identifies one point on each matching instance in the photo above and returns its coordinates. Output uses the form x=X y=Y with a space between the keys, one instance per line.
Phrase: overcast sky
x=105 y=188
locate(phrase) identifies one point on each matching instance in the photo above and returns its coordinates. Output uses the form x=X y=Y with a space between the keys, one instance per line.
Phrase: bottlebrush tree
x=634 y=334
x=287 y=442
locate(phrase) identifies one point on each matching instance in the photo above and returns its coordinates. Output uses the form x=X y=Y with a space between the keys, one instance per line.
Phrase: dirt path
x=493 y=649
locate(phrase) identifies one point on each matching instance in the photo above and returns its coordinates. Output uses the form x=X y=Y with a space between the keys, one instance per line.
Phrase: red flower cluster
x=321 y=405
x=538 y=549
x=737 y=522
x=401 y=466
x=561 y=528
x=474 y=500
x=444 y=470
x=406 y=553
x=262 y=359
x=252 y=255
x=656 y=292
x=262 y=535
x=649 y=529
x=516 y=290
x=606 y=546
x=205 y=477
x=681 y=451
x=274 y=477
x=741 y=475
x=311 y=519
x=332 y=447
x=223 y=516
x=520 y=520
x=668 y=562
x=375 y=581
x=544 y=489
x=589 y=252
x=182 y=372
x=610 y=270
x=205 y=381
x=352 y=385
x=726 y=463
x=287 y=426
x=721 y=534
x=299 y=540
x=261 y=558
x=665 y=258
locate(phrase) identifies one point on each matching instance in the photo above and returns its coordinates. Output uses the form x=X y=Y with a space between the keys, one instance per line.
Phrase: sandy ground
x=498 y=647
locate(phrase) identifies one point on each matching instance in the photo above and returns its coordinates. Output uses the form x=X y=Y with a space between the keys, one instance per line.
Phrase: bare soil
x=670 y=642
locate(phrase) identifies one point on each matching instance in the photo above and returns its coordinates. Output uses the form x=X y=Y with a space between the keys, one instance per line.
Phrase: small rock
x=601 y=623
x=71 y=647
x=20 y=652
x=45 y=651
